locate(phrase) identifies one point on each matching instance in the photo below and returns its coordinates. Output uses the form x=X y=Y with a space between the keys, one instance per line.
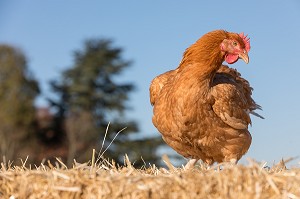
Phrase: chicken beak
x=244 y=56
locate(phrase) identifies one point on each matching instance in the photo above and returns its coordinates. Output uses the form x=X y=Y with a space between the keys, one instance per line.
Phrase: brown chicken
x=202 y=107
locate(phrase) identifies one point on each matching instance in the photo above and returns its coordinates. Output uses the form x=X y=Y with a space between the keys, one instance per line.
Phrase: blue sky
x=155 y=34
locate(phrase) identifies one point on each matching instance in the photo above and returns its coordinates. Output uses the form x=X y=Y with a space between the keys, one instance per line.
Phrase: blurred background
x=70 y=68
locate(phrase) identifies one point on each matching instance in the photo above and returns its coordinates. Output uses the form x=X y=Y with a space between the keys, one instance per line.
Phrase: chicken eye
x=234 y=43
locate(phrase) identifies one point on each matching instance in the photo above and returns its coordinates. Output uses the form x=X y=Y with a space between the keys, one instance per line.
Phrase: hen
x=202 y=107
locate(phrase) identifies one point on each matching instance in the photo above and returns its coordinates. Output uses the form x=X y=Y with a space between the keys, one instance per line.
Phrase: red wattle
x=231 y=58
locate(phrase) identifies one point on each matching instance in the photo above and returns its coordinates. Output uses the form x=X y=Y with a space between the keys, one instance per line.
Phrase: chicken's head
x=235 y=47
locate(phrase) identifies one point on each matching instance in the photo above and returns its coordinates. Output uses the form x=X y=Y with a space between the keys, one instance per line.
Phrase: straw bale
x=106 y=181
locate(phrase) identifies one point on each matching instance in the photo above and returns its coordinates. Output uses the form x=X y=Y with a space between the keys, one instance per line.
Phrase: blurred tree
x=18 y=90
x=90 y=97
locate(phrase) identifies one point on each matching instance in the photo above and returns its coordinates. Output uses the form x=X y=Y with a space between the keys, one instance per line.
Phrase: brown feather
x=202 y=107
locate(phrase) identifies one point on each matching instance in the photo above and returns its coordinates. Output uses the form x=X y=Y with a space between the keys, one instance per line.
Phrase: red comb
x=246 y=41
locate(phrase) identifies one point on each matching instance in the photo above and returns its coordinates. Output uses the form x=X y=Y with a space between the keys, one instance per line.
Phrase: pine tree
x=18 y=90
x=91 y=97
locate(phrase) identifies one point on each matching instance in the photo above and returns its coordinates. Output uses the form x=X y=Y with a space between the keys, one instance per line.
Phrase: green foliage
x=90 y=97
x=18 y=90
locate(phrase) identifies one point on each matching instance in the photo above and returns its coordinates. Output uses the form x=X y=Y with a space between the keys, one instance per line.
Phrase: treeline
x=87 y=98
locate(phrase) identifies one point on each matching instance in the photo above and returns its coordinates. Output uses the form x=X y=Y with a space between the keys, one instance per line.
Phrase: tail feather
x=256 y=114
